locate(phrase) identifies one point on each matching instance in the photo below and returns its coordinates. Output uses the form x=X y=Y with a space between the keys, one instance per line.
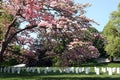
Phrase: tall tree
x=60 y=17
x=112 y=34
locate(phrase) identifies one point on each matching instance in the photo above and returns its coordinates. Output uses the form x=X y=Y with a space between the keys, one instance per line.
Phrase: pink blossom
x=10 y=7
x=54 y=22
x=37 y=7
x=47 y=17
x=92 y=48
x=53 y=4
x=22 y=39
x=44 y=24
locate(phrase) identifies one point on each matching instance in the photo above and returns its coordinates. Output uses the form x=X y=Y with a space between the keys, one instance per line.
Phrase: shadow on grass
x=88 y=78
x=53 y=76
x=94 y=64
x=110 y=64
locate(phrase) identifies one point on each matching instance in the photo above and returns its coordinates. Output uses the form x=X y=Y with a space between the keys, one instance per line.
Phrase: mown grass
x=64 y=76
x=115 y=64
x=27 y=76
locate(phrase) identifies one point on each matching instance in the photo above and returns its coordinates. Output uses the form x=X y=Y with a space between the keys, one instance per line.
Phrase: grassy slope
x=58 y=76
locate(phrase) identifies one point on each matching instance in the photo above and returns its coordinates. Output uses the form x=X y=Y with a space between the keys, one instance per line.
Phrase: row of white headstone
x=108 y=70
x=68 y=70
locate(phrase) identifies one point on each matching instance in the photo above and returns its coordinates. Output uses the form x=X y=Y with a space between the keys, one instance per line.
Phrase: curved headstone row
x=67 y=70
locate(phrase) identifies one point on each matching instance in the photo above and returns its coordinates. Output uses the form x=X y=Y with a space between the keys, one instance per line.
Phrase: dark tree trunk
x=4 y=46
x=1 y=59
x=112 y=60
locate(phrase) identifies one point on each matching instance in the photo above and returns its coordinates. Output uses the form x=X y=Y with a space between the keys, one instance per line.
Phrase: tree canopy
x=112 y=34
x=61 y=26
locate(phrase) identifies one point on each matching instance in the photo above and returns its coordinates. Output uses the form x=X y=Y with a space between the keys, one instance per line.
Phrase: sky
x=100 y=11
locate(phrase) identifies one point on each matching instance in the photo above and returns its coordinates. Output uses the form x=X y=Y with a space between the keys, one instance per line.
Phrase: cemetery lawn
x=65 y=76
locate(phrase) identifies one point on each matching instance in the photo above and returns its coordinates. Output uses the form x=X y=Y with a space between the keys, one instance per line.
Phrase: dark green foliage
x=17 y=50
x=61 y=45
x=11 y=62
x=93 y=30
x=98 y=41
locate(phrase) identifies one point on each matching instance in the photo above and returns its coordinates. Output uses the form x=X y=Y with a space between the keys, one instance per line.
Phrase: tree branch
x=29 y=27
x=9 y=27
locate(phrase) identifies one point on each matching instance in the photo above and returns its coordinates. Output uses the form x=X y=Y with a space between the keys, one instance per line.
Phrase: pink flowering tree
x=55 y=19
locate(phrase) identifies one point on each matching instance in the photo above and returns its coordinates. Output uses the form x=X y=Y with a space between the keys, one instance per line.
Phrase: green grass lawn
x=64 y=76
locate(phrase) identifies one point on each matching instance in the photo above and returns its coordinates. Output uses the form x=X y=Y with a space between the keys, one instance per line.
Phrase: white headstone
x=8 y=70
x=109 y=71
x=83 y=69
x=97 y=70
x=103 y=70
x=108 y=68
x=80 y=70
x=1 y=69
x=118 y=70
x=113 y=69
x=67 y=70
x=48 y=69
x=72 y=69
x=38 y=70
x=45 y=72
x=77 y=70
x=13 y=70
x=33 y=70
x=18 y=70
x=54 y=69
x=64 y=70
x=87 y=70
x=60 y=70
x=27 y=69
x=5 y=69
